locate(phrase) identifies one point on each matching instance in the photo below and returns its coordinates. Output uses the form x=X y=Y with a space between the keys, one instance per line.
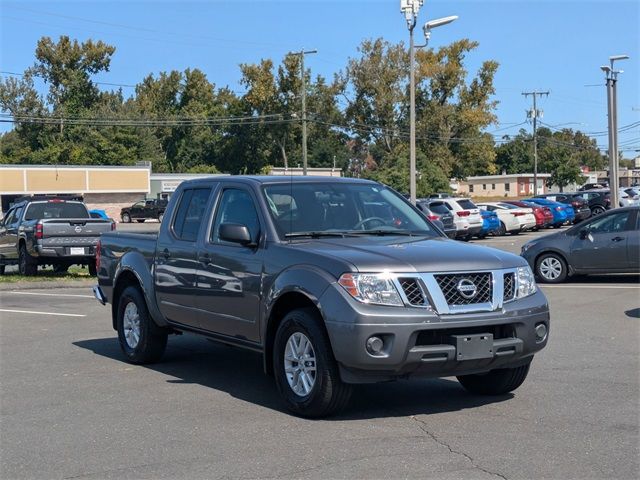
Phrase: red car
x=544 y=215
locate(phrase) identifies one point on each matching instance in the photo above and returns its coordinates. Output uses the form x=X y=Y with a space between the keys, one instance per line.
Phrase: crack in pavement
x=423 y=426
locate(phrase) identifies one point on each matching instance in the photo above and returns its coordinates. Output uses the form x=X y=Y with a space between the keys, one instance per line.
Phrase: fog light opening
x=541 y=332
x=375 y=345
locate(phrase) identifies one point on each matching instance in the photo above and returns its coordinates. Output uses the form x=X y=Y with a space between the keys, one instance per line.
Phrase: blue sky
x=540 y=44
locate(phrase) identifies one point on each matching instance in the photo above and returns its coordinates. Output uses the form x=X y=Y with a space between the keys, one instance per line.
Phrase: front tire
x=597 y=210
x=496 y=382
x=141 y=340
x=27 y=265
x=502 y=230
x=126 y=218
x=551 y=268
x=305 y=370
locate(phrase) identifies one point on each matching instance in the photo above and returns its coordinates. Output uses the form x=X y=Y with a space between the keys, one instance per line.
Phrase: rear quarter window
x=44 y=210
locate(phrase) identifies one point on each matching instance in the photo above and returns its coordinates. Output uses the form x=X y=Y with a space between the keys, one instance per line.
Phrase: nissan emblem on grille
x=78 y=229
x=467 y=288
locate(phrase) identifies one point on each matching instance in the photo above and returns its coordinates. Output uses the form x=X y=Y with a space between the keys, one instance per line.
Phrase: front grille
x=412 y=290
x=449 y=284
x=509 y=286
x=441 y=337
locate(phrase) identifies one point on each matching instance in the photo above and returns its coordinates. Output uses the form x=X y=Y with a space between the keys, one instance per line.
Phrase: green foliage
x=357 y=122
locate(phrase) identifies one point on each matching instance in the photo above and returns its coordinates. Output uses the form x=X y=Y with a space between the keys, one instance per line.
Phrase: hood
x=408 y=254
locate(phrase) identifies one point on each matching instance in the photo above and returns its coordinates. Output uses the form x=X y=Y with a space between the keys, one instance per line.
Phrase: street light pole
x=302 y=53
x=612 y=122
x=410 y=10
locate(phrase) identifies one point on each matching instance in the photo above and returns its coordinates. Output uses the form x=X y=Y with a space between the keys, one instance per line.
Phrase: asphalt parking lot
x=72 y=408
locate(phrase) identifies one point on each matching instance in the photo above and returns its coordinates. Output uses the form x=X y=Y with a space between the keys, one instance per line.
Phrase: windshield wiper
x=317 y=234
x=383 y=232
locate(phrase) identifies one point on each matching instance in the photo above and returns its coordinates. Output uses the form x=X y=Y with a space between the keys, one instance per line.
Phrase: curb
x=47 y=285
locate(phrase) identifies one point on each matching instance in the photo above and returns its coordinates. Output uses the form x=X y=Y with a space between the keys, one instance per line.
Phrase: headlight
x=376 y=288
x=526 y=246
x=526 y=282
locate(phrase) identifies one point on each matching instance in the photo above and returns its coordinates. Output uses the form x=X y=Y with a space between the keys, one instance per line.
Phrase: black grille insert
x=442 y=337
x=509 y=286
x=412 y=290
x=454 y=291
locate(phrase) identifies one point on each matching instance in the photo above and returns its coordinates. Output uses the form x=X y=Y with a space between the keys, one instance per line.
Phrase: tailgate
x=73 y=231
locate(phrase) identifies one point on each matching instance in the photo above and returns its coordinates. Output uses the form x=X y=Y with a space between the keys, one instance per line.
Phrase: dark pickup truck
x=49 y=231
x=144 y=210
x=335 y=281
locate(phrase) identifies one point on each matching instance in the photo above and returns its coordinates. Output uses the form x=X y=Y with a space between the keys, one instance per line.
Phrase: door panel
x=605 y=247
x=177 y=259
x=230 y=275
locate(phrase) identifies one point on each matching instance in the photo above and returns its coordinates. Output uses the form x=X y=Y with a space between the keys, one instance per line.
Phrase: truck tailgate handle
x=165 y=253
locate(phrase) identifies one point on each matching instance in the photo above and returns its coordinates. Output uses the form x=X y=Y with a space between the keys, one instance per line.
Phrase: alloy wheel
x=300 y=364
x=131 y=325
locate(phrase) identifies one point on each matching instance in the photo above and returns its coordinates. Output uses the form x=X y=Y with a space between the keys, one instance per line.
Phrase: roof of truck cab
x=278 y=179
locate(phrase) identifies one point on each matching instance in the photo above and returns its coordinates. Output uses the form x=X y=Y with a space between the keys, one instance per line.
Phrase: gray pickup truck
x=49 y=231
x=335 y=281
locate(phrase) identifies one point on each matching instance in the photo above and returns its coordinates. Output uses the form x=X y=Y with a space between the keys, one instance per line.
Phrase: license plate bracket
x=473 y=347
x=77 y=251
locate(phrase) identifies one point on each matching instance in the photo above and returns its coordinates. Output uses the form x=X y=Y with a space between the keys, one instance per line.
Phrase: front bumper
x=420 y=342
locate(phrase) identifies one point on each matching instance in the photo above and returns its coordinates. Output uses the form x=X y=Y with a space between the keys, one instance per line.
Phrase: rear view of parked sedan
x=562 y=213
x=576 y=200
x=513 y=219
x=607 y=243
x=542 y=214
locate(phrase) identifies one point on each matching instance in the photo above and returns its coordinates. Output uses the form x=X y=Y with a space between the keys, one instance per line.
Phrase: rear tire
x=597 y=210
x=126 y=218
x=496 y=382
x=27 y=265
x=502 y=230
x=141 y=340
x=320 y=391
x=60 y=268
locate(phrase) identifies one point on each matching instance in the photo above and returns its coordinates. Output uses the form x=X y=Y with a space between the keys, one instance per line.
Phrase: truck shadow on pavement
x=193 y=360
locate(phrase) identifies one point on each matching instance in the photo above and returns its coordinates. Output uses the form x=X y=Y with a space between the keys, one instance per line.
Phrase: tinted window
x=466 y=204
x=190 y=213
x=10 y=218
x=439 y=207
x=616 y=222
x=236 y=206
x=56 y=210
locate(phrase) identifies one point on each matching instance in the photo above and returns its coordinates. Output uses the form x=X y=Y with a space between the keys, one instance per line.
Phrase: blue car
x=490 y=223
x=562 y=213
x=98 y=213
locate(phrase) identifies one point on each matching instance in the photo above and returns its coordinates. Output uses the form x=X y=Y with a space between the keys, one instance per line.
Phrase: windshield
x=350 y=208
x=42 y=210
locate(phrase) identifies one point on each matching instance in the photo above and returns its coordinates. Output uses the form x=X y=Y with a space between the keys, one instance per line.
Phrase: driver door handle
x=165 y=253
x=617 y=239
x=204 y=258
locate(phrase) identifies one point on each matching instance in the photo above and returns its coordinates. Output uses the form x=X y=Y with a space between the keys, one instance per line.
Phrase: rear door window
x=439 y=207
x=190 y=214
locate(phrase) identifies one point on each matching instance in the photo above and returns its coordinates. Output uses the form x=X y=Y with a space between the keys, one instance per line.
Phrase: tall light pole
x=302 y=53
x=535 y=113
x=612 y=113
x=410 y=9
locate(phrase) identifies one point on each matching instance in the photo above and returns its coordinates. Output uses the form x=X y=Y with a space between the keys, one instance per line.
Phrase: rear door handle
x=165 y=253
x=204 y=258
x=617 y=239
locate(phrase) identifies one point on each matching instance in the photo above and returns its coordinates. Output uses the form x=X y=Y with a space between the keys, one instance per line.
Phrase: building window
x=484 y=186
x=470 y=188
x=493 y=186
x=507 y=187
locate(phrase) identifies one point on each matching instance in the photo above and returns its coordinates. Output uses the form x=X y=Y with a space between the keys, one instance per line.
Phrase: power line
x=16 y=74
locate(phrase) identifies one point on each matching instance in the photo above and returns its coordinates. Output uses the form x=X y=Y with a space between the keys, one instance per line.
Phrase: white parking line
x=52 y=294
x=599 y=287
x=31 y=312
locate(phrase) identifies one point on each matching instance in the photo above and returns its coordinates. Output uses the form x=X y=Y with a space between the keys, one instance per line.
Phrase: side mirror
x=236 y=233
x=584 y=233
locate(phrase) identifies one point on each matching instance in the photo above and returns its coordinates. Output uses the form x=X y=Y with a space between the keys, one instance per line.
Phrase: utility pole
x=302 y=53
x=535 y=113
